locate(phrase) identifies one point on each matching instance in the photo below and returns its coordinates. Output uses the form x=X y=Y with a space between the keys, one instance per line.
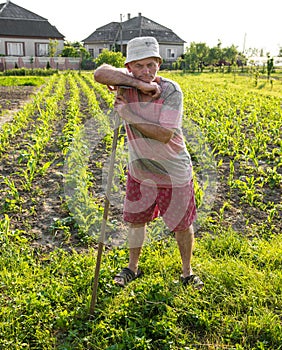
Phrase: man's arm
x=109 y=75
x=151 y=130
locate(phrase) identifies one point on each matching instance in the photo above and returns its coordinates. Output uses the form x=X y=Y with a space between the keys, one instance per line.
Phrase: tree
x=215 y=55
x=69 y=51
x=196 y=56
x=75 y=49
x=199 y=55
x=230 y=54
x=115 y=59
x=53 y=44
x=270 y=66
x=253 y=52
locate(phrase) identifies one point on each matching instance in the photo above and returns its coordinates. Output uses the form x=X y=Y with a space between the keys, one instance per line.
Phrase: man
x=159 y=180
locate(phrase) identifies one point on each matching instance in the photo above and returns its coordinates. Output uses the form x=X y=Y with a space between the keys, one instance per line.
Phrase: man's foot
x=125 y=276
x=193 y=280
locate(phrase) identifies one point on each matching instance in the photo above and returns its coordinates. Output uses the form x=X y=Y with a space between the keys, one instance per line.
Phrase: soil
x=43 y=211
x=12 y=97
x=43 y=217
x=11 y=100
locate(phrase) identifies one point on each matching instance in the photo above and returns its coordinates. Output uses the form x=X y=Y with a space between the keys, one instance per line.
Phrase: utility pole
x=121 y=49
x=244 y=43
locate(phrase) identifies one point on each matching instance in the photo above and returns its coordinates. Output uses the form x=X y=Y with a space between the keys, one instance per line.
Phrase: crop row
x=243 y=132
x=57 y=117
x=233 y=136
x=45 y=294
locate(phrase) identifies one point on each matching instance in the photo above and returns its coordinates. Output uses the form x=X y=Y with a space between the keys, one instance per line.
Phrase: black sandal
x=192 y=280
x=126 y=275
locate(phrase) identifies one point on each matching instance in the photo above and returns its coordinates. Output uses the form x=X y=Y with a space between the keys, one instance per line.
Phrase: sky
x=244 y=23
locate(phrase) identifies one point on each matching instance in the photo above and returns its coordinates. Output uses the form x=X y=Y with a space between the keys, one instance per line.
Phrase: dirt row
x=12 y=97
x=43 y=211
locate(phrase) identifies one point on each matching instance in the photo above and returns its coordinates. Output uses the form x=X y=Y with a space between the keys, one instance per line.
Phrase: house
x=25 y=34
x=116 y=35
x=262 y=61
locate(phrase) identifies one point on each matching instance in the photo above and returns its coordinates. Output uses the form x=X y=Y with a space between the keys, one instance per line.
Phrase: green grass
x=239 y=81
x=45 y=297
x=22 y=81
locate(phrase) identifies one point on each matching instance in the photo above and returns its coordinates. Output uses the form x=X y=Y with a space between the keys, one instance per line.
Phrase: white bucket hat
x=142 y=47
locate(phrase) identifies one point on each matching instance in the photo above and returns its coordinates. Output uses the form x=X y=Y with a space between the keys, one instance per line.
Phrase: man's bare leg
x=185 y=241
x=136 y=237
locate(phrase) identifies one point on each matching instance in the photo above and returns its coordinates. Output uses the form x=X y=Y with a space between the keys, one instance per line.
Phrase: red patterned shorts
x=175 y=205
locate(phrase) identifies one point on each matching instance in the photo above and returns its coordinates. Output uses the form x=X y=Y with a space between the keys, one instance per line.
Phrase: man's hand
x=152 y=89
x=120 y=104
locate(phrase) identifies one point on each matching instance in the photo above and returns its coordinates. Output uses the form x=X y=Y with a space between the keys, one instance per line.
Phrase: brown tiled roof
x=137 y=26
x=17 y=21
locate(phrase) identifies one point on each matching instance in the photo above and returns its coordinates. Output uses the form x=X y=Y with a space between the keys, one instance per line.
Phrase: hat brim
x=142 y=57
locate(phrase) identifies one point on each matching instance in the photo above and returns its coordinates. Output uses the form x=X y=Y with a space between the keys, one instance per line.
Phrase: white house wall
x=177 y=49
x=29 y=45
x=164 y=48
x=97 y=48
x=2 y=46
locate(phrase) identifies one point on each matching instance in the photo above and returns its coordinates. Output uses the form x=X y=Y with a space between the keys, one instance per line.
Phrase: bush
x=26 y=71
x=115 y=59
x=21 y=81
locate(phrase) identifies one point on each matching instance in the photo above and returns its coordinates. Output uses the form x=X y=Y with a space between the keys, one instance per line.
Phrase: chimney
x=139 y=14
x=128 y=16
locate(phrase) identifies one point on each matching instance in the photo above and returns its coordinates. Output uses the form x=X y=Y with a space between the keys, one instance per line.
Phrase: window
x=171 y=53
x=91 y=51
x=41 y=49
x=15 y=49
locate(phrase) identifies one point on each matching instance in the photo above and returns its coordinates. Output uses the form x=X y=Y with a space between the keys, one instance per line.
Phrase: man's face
x=145 y=69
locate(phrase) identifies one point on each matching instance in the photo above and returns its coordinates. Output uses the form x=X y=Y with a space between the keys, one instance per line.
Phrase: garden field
x=55 y=142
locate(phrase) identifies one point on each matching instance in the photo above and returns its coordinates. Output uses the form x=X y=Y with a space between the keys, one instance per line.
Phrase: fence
x=61 y=63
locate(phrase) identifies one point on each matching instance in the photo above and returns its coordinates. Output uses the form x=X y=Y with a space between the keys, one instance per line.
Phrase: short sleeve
x=172 y=108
